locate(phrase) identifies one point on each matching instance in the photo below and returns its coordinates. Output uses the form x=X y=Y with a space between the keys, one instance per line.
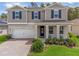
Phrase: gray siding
x=24 y=17
x=45 y=14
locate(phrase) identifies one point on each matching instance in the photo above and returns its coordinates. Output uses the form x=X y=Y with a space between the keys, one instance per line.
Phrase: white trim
x=69 y=28
x=16 y=6
x=36 y=33
x=47 y=31
x=46 y=23
x=20 y=23
x=58 y=30
x=54 y=4
x=53 y=23
x=45 y=14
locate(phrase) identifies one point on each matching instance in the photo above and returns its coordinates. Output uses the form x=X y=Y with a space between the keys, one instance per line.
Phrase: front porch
x=58 y=31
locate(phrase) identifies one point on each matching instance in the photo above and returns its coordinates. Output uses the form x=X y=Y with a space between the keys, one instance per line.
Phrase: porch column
x=36 y=30
x=69 y=28
x=58 y=35
x=47 y=31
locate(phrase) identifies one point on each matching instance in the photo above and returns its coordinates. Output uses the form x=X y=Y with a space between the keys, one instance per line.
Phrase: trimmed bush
x=8 y=36
x=55 y=41
x=61 y=41
x=49 y=41
x=37 y=46
x=52 y=41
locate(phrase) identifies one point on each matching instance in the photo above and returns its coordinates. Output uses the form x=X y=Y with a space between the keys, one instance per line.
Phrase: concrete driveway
x=15 y=47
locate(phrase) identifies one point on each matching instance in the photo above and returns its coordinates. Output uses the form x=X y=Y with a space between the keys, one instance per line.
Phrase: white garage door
x=23 y=33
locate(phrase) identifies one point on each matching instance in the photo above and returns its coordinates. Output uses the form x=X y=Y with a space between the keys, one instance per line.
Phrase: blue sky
x=5 y=5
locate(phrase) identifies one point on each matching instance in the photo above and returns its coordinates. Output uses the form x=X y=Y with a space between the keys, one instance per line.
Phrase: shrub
x=37 y=46
x=34 y=40
x=55 y=41
x=49 y=41
x=8 y=36
x=74 y=38
x=3 y=38
x=77 y=36
x=70 y=43
x=61 y=41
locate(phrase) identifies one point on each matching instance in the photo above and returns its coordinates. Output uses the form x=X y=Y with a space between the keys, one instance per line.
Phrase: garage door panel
x=23 y=33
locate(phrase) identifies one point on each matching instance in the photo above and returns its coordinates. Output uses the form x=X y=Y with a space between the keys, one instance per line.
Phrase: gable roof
x=16 y=7
x=55 y=3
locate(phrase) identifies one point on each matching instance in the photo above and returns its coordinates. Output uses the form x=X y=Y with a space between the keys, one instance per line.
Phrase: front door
x=42 y=31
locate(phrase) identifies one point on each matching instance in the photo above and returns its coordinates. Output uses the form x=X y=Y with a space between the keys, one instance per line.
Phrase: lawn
x=3 y=38
x=56 y=50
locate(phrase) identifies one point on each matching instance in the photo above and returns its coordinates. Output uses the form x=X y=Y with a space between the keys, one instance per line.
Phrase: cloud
x=3 y=12
x=8 y=5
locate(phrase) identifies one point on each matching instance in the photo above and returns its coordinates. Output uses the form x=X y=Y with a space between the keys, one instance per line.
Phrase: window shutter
x=13 y=15
x=20 y=14
x=32 y=14
x=52 y=13
x=59 y=13
x=39 y=15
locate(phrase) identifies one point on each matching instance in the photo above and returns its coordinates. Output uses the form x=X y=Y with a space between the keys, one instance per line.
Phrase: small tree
x=3 y=15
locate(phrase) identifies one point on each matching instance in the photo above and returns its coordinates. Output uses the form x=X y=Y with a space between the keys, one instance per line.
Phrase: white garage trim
x=23 y=32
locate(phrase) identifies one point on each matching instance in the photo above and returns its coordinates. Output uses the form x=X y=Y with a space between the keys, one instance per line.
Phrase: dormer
x=56 y=11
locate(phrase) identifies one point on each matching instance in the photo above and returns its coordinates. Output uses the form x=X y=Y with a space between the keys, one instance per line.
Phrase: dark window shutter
x=59 y=13
x=52 y=13
x=39 y=15
x=32 y=14
x=20 y=15
x=13 y=15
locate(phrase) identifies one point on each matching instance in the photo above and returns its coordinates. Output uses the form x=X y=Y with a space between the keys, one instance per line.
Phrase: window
x=50 y=29
x=61 y=29
x=36 y=14
x=55 y=13
x=17 y=14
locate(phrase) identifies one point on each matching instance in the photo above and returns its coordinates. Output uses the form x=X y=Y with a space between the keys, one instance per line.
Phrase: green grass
x=3 y=38
x=55 y=50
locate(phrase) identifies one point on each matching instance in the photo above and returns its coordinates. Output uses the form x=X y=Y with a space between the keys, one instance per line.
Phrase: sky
x=5 y=5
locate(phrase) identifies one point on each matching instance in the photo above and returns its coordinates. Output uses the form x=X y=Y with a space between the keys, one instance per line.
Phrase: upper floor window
x=17 y=14
x=55 y=13
x=36 y=14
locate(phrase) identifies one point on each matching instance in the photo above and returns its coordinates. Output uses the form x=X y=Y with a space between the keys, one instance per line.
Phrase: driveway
x=15 y=47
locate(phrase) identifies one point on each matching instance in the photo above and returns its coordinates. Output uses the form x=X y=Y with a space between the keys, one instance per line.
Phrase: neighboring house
x=3 y=27
x=39 y=22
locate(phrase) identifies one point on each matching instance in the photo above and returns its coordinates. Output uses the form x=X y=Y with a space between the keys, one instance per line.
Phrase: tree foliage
x=42 y=5
x=3 y=15
x=73 y=13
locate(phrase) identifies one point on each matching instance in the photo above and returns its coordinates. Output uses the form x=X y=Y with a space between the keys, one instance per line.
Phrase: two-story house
x=39 y=22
